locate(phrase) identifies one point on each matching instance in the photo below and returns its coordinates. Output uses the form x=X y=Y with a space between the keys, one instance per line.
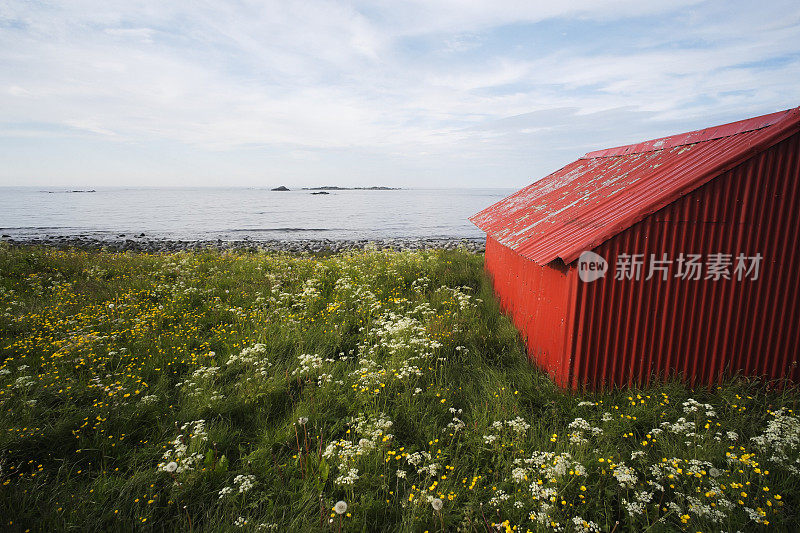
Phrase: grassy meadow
x=252 y=392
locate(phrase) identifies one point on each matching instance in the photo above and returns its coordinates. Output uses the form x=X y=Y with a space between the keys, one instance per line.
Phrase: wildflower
x=340 y=507
x=244 y=482
x=626 y=476
x=519 y=475
x=437 y=504
x=171 y=467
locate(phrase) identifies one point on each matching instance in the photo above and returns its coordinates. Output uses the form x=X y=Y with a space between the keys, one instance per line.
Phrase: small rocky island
x=335 y=188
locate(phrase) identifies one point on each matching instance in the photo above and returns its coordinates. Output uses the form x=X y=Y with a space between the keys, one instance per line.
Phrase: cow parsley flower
x=626 y=476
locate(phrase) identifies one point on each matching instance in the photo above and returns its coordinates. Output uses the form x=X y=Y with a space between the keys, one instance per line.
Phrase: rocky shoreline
x=142 y=243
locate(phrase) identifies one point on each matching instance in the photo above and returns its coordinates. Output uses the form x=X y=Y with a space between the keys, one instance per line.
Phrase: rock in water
x=281 y=188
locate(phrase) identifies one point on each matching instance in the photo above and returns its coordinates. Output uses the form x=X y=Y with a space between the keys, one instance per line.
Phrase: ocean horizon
x=236 y=213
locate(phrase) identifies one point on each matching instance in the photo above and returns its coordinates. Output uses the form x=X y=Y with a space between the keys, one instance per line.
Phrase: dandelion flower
x=171 y=467
x=340 y=507
x=437 y=504
x=302 y=420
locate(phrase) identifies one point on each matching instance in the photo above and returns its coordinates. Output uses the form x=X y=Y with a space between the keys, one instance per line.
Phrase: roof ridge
x=692 y=137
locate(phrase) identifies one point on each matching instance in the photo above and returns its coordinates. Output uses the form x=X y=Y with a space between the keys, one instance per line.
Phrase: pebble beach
x=144 y=243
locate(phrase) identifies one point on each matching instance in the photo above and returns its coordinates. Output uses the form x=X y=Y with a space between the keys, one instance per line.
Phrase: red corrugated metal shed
x=729 y=189
x=604 y=192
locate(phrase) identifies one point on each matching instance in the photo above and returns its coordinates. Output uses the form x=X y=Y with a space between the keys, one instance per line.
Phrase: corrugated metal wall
x=540 y=302
x=626 y=330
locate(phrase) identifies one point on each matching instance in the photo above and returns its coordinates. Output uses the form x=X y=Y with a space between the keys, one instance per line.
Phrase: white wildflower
x=626 y=476
x=244 y=482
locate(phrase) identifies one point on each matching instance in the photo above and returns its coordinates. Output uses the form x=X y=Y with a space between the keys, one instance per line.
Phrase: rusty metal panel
x=596 y=197
x=539 y=300
x=626 y=330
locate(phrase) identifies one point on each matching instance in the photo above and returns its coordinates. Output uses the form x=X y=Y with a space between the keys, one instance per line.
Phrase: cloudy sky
x=421 y=93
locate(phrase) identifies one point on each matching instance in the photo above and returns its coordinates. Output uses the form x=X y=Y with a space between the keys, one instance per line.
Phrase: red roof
x=605 y=192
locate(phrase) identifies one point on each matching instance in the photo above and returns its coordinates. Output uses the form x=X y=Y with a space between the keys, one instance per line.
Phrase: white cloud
x=428 y=80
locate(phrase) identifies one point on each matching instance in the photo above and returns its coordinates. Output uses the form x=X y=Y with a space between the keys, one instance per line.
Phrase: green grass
x=281 y=384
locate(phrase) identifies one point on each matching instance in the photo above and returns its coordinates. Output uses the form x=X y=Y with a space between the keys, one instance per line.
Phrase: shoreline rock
x=337 y=188
x=140 y=243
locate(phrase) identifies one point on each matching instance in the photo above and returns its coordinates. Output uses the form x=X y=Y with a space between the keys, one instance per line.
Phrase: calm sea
x=236 y=213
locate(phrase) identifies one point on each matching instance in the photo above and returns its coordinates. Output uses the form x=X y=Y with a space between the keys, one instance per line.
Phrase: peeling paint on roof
x=592 y=199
